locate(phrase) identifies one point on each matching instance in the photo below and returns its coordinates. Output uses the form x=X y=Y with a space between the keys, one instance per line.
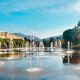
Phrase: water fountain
x=68 y=51
x=2 y=63
x=23 y=40
x=51 y=47
x=33 y=46
x=27 y=46
x=41 y=46
x=31 y=68
x=11 y=45
x=60 y=45
x=71 y=45
x=68 y=45
x=59 y=50
x=56 y=44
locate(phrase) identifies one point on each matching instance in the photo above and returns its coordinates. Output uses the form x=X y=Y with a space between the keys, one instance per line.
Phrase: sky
x=42 y=17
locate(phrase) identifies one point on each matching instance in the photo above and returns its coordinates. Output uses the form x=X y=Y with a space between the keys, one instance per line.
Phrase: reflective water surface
x=50 y=63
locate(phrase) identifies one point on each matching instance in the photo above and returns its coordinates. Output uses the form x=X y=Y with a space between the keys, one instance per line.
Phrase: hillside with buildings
x=7 y=35
x=9 y=40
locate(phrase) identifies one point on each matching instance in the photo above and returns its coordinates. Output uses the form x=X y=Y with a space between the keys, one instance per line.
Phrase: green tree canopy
x=78 y=25
x=68 y=35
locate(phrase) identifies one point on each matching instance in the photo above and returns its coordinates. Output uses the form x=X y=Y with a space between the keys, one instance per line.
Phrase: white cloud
x=41 y=6
x=19 y=5
x=76 y=7
x=73 y=7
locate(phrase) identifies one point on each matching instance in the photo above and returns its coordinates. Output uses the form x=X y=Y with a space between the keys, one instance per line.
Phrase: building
x=7 y=35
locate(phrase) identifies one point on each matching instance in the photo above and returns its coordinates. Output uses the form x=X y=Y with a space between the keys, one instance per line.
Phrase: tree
x=46 y=43
x=18 y=43
x=72 y=35
x=77 y=33
x=4 y=43
x=78 y=25
x=68 y=35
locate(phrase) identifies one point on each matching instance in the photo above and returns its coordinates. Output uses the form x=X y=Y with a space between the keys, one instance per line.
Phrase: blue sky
x=44 y=17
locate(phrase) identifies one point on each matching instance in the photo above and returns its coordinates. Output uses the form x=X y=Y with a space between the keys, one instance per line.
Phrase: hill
x=27 y=36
